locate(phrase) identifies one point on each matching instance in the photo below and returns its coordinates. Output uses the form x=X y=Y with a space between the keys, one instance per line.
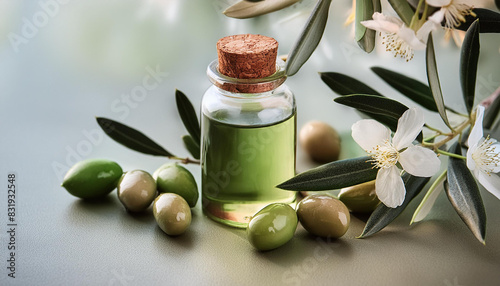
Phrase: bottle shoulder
x=248 y=109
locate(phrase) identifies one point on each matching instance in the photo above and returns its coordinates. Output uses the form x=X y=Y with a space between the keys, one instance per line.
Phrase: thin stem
x=415 y=18
x=432 y=128
x=431 y=138
x=437 y=130
x=456 y=132
x=451 y=154
x=456 y=112
x=424 y=15
x=186 y=160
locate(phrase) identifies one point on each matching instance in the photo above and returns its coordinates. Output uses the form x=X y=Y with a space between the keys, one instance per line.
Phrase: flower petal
x=369 y=133
x=471 y=164
x=477 y=130
x=437 y=17
x=409 y=36
x=389 y=187
x=438 y=3
x=419 y=161
x=409 y=126
x=383 y=23
x=490 y=182
x=495 y=150
x=425 y=30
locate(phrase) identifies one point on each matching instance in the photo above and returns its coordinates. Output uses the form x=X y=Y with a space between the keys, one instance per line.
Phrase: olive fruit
x=320 y=141
x=92 y=178
x=172 y=213
x=172 y=178
x=323 y=215
x=360 y=198
x=272 y=226
x=136 y=190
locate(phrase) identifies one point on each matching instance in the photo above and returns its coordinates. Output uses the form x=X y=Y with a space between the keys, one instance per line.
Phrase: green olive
x=136 y=190
x=324 y=216
x=320 y=141
x=172 y=178
x=272 y=226
x=172 y=213
x=92 y=178
x=360 y=198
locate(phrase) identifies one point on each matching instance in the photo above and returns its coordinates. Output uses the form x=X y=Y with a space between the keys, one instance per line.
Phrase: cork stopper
x=247 y=56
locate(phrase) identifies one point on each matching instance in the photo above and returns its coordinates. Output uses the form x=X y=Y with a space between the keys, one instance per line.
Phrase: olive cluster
x=172 y=189
x=275 y=224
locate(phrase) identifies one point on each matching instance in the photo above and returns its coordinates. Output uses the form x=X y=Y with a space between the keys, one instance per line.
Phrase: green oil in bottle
x=242 y=164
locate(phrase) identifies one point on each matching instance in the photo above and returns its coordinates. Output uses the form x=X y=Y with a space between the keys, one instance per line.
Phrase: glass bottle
x=248 y=144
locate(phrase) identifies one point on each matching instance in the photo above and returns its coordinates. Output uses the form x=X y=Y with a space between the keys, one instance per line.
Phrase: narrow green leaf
x=490 y=21
x=192 y=146
x=309 y=38
x=345 y=85
x=468 y=64
x=373 y=104
x=382 y=109
x=429 y=199
x=492 y=113
x=334 y=175
x=247 y=9
x=412 y=88
x=433 y=78
x=131 y=138
x=382 y=215
x=364 y=11
x=463 y=193
x=403 y=9
x=188 y=115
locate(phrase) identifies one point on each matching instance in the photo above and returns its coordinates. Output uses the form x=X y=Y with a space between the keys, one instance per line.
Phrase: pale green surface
x=89 y=56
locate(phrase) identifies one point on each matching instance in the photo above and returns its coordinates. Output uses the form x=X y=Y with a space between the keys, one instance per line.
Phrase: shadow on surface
x=164 y=241
x=80 y=211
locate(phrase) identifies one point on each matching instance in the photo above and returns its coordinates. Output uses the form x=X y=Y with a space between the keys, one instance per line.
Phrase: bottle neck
x=236 y=87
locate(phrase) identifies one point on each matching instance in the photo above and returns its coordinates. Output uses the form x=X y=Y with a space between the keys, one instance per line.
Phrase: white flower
x=398 y=38
x=375 y=138
x=452 y=11
x=483 y=156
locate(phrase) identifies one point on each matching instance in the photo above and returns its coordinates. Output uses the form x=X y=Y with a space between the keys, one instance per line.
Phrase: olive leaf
x=433 y=78
x=492 y=114
x=248 y=9
x=192 y=146
x=188 y=115
x=429 y=199
x=309 y=38
x=334 y=175
x=412 y=88
x=490 y=21
x=403 y=9
x=364 y=10
x=463 y=193
x=383 y=215
x=345 y=85
x=382 y=109
x=373 y=104
x=468 y=64
x=131 y=138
